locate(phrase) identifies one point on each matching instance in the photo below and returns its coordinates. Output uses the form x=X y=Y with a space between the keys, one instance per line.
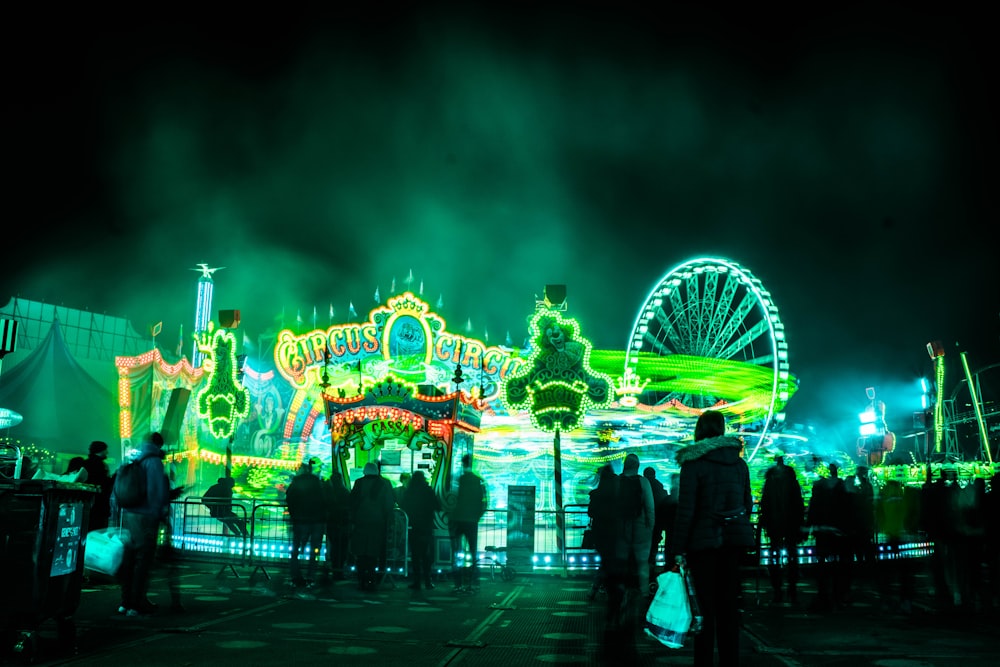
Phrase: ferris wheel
x=709 y=336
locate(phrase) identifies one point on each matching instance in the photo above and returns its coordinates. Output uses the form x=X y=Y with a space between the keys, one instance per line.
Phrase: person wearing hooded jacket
x=712 y=533
x=143 y=526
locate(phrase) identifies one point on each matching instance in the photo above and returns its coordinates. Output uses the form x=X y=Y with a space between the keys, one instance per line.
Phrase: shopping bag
x=668 y=619
x=103 y=550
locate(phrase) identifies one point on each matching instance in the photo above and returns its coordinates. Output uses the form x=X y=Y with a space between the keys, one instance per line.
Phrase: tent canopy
x=63 y=406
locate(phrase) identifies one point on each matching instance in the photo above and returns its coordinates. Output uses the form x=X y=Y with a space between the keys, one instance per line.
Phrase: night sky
x=847 y=159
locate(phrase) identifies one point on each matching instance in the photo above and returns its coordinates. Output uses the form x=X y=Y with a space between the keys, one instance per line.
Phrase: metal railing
x=199 y=536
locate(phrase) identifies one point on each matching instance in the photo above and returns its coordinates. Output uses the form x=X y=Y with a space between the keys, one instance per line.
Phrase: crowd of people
x=704 y=516
x=701 y=517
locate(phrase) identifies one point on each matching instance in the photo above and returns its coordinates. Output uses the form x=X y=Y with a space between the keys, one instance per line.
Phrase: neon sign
x=222 y=399
x=403 y=338
x=557 y=384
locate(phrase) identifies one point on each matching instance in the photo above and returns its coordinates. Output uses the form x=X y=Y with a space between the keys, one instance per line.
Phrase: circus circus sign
x=402 y=338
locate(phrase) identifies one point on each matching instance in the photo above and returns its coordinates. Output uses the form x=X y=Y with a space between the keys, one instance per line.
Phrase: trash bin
x=42 y=525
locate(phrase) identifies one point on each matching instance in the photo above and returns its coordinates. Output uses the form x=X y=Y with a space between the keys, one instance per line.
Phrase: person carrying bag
x=674 y=614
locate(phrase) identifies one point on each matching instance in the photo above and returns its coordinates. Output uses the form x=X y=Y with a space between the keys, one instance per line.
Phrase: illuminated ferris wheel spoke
x=745 y=341
x=722 y=311
x=737 y=318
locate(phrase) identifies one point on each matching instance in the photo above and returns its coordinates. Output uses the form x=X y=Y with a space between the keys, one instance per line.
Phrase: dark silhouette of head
x=711 y=424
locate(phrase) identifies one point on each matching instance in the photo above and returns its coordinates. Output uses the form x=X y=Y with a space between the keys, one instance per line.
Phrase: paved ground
x=536 y=619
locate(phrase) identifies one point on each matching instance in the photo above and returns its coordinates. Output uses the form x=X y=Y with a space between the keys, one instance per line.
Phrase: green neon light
x=556 y=385
x=939 y=403
x=223 y=399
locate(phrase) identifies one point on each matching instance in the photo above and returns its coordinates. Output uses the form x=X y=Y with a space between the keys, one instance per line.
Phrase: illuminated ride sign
x=222 y=400
x=402 y=339
x=557 y=385
x=393 y=410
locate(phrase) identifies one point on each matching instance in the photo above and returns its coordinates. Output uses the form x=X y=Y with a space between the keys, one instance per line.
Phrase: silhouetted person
x=604 y=526
x=659 y=517
x=970 y=541
x=826 y=518
x=400 y=489
x=308 y=515
x=338 y=524
x=636 y=532
x=991 y=547
x=859 y=534
x=143 y=524
x=219 y=500
x=75 y=464
x=371 y=510
x=463 y=524
x=420 y=504
x=939 y=507
x=713 y=533
x=896 y=518
x=96 y=465
x=782 y=514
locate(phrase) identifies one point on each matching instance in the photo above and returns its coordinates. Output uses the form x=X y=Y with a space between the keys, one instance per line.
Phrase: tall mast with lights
x=203 y=308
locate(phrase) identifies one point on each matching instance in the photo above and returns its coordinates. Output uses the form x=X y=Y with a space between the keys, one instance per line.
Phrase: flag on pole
x=314 y=317
x=409 y=279
x=421 y=288
x=298 y=316
x=440 y=303
x=155 y=329
x=378 y=299
x=350 y=309
x=392 y=288
x=331 y=312
x=468 y=326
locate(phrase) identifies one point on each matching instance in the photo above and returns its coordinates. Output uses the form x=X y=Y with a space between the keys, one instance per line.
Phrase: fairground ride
x=708 y=335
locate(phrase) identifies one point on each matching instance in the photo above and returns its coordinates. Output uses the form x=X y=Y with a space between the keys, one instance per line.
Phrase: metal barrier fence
x=259 y=534
x=532 y=544
x=197 y=535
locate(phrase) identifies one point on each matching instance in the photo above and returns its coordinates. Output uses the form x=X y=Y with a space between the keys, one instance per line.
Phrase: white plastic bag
x=104 y=548
x=668 y=619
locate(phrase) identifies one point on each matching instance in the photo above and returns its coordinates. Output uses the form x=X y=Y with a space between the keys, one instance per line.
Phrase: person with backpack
x=141 y=493
x=638 y=516
x=712 y=533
